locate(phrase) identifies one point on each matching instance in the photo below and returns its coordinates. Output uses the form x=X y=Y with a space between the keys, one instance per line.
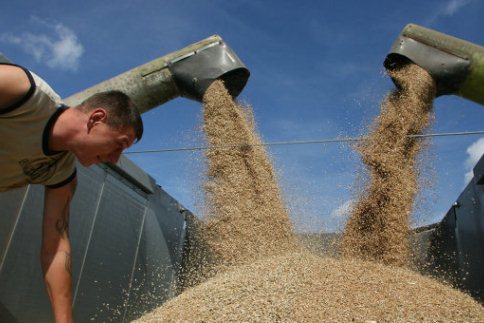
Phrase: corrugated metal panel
x=11 y=203
x=457 y=246
x=154 y=275
x=169 y=215
x=84 y=211
x=131 y=172
x=21 y=288
x=470 y=239
x=105 y=279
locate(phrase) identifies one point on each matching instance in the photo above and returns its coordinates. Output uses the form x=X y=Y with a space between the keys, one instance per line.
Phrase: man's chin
x=86 y=163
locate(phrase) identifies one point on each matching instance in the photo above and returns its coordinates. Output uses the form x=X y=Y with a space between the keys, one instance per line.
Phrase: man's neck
x=65 y=130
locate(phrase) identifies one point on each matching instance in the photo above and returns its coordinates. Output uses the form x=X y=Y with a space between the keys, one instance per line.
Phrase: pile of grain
x=301 y=287
x=379 y=224
x=259 y=271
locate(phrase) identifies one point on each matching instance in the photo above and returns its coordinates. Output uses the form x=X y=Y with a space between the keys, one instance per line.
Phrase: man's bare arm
x=56 y=250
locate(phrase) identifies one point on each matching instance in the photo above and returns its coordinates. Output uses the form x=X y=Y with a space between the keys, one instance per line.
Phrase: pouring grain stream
x=379 y=224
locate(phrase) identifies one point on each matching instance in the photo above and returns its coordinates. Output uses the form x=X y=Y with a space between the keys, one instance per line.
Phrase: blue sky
x=316 y=73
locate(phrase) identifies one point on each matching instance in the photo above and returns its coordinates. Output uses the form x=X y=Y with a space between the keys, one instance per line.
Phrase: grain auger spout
x=187 y=72
x=456 y=65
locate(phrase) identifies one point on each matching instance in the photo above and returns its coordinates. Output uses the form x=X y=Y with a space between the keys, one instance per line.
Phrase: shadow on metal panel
x=5 y=315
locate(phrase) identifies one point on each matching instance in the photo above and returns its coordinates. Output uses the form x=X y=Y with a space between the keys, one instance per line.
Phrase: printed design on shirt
x=38 y=170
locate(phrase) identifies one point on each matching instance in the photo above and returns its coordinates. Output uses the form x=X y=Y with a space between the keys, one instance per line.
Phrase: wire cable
x=297 y=142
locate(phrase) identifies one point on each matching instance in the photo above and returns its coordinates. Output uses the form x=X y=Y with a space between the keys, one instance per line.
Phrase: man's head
x=121 y=110
x=113 y=124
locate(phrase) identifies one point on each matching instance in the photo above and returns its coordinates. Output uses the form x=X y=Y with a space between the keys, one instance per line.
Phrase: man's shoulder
x=39 y=98
x=16 y=86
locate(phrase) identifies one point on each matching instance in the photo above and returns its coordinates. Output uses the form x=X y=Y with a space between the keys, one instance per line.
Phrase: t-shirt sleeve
x=65 y=172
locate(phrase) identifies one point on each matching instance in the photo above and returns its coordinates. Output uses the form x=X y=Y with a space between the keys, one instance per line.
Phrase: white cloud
x=453 y=6
x=336 y=221
x=475 y=152
x=448 y=9
x=60 y=49
x=344 y=210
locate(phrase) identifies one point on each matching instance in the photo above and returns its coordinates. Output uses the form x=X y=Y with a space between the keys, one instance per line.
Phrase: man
x=40 y=141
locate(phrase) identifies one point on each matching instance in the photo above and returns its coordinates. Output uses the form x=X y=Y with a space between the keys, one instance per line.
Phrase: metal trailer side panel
x=153 y=274
x=84 y=210
x=105 y=281
x=21 y=290
x=170 y=215
x=457 y=248
x=11 y=204
x=160 y=255
x=470 y=239
x=441 y=256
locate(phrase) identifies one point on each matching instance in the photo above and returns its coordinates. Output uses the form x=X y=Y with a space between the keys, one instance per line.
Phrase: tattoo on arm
x=68 y=263
x=62 y=224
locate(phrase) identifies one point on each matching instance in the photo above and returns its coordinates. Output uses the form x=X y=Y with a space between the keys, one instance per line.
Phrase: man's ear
x=96 y=116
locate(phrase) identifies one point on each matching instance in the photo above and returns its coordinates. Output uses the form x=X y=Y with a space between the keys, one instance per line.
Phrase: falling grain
x=246 y=216
x=379 y=224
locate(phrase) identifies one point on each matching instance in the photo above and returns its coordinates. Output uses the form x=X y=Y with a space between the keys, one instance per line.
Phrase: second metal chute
x=456 y=65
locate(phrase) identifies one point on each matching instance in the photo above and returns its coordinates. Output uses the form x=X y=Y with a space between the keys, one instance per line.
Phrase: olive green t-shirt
x=25 y=128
